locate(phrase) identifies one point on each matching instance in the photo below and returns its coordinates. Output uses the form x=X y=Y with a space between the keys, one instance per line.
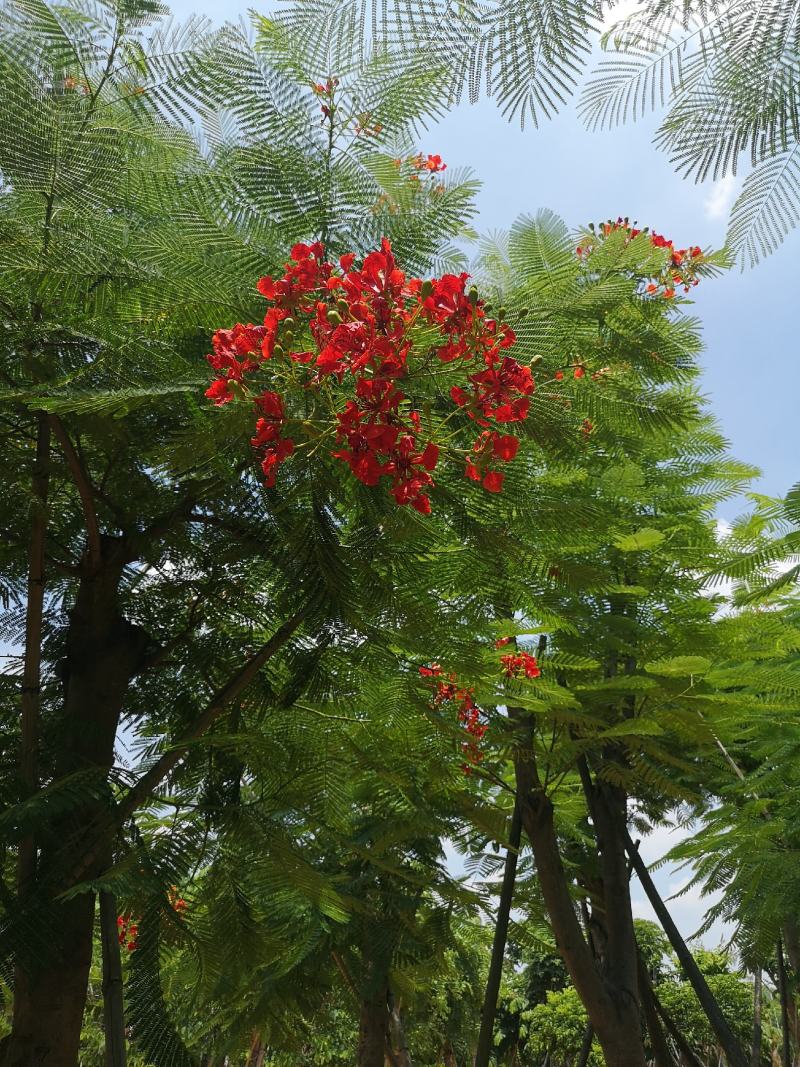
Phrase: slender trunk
x=791 y=942
x=688 y=1055
x=30 y=710
x=103 y=651
x=484 y=1047
x=113 y=1002
x=662 y=1057
x=758 y=996
x=613 y=1014
x=397 y=1033
x=32 y=666
x=783 y=992
x=448 y=1055
x=373 y=1030
x=719 y=1024
x=257 y=1052
x=586 y=1046
x=619 y=964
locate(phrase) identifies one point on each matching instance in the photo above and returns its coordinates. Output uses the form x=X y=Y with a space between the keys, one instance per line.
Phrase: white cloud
x=621 y=10
x=718 y=202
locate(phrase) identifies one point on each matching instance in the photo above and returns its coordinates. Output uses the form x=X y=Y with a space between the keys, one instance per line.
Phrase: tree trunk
x=758 y=997
x=103 y=652
x=688 y=1056
x=484 y=1047
x=257 y=1052
x=719 y=1024
x=586 y=1046
x=32 y=667
x=397 y=1033
x=783 y=992
x=662 y=1057
x=448 y=1055
x=613 y=1010
x=373 y=1029
x=113 y=1001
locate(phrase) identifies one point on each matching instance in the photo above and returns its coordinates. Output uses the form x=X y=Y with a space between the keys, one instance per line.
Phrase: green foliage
x=728 y=77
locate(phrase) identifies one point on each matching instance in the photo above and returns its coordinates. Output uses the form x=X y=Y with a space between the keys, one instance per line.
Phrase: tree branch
x=84 y=487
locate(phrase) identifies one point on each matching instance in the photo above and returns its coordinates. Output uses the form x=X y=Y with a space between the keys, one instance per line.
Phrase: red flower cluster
x=176 y=902
x=431 y=164
x=469 y=714
x=268 y=441
x=679 y=269
x=374 y=327
x=520 y=665
x=127 y=932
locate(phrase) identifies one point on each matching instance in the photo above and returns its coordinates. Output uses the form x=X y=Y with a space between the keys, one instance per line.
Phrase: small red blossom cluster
x=680 y=267
x=420 y=163
x=469 y=714
x=127 y=932
x=577 y=372
x=176 y=901
x=520 y=665
x=373 y=328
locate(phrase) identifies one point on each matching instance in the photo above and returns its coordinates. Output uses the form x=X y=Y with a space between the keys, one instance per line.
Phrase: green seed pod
x=334 y=318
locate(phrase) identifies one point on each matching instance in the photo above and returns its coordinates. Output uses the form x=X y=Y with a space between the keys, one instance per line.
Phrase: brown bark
x=103 y=653
x=373 y=1031
x=610 y=998
x=662 y=1057
x=484 y=1047
x=758 y=998
x=783 y=992
x=397 y=1033
x=257 y=1052
x=448 y=1055
x=113 y=1000
x=32 y=665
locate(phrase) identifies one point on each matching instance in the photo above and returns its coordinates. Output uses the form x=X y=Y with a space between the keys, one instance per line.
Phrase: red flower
x=505 y=447
x=501 y=642
x=579 y=372
x=559 y=375
x=517 y=664
x=219 y=391
x=363 y=334
x=430 y=672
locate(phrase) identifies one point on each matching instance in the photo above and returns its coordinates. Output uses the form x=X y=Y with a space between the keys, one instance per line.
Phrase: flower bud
x=334 y=318
x=523 y=313
x=289 y=324
x=501 y=313
x=472 y=295
x=427 y=289
x=536 y=361
x=277 y=350
x=343 y=307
